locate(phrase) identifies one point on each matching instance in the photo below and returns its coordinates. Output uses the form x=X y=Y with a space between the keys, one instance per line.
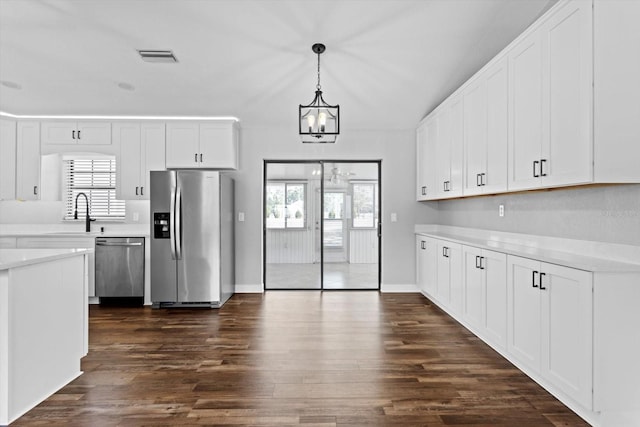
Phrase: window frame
x=111 y=209
x=374 y=204
x=286 y=183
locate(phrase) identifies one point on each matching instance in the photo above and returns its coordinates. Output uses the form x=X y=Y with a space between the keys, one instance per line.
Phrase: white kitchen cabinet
x=72 y=132
x=550 y=73
x=550 y=330
x=7 y=242
x=212 y=145
x=142 y=149
x=54 y=242
x=486 y=125
x=449 y=275
x=448 y=150
x=484 y=278
x=7 y=159
x=426 y=137
x=426 y=264
x=28 y=161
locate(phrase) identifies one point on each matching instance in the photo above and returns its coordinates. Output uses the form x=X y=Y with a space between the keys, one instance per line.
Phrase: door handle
x=178 y=224
x=172 y=223
x=542 y=162
x=542 y=288
x=533 y=279
x=118 y=244
x=535 y=174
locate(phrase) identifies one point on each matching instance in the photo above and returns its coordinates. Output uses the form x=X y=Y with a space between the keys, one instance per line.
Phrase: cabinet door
x=524 y=311
x=93 y=133
x=28 y=161
x=183 y=146
x=430 y=260
x=443 y=152
x=7 y=159
x=58 y=132
x=429 y=159
x=497 y=114
x=456 y=287
x=456 y=141
x=567 y=155
x=443 y=285
x=473 y=307
x=494 y=267
x=219 y=145
x=567 y=322
x=421 y=263
x=525 y=136
x=475 y=149
x=127 y=135
x=152 y=151
x=421 y=148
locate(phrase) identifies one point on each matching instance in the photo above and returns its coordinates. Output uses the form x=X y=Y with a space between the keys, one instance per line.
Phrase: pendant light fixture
x=319 y=122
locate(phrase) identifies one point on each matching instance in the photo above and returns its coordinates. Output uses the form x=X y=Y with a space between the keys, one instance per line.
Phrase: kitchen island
x=43 y=324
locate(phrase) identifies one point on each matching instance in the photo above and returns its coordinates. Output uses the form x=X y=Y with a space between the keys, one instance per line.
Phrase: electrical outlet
x=394 y=217
x=501 y=210
x=241 y=216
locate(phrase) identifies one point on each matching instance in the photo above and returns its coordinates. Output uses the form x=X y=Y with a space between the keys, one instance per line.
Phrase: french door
x=321 y=226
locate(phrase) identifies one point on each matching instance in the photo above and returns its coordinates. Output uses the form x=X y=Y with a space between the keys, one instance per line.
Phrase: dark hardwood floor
x=295 y=358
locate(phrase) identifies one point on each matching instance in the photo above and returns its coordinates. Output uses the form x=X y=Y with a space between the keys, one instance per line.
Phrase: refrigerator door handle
x=178 y=224
x=172 y=224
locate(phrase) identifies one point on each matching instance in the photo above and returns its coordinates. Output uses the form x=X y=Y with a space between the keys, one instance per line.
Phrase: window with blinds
x=97 y=179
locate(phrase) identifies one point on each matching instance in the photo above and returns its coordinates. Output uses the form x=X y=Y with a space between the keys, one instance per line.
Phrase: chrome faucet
x=87 y=220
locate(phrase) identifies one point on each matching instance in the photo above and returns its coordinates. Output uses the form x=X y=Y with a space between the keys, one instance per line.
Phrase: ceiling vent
x=157 y=56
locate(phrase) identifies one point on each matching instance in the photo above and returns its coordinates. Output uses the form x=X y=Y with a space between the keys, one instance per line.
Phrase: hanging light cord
x=318 y=85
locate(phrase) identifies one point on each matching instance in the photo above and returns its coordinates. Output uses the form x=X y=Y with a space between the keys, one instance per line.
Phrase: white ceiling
x=388 y=62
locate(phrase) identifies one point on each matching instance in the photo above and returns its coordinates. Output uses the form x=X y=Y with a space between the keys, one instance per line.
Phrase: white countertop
x=11 y=258
x=73 y=230
x=582 y=255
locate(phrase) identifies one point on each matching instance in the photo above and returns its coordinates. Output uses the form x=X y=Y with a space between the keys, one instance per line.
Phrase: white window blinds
x=97 y=179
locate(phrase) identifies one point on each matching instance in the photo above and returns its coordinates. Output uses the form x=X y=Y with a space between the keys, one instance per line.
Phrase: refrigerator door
x=163 y=264
x=198 y=236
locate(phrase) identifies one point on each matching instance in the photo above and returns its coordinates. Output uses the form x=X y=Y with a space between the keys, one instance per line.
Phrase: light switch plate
x=136 y=216
x=394 y=217
x=241 y=216
x=501 y=210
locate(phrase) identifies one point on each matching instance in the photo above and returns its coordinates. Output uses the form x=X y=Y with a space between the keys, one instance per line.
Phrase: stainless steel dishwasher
x=120 y=269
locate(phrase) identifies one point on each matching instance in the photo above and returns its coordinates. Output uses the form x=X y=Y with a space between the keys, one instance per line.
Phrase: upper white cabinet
x=84 y=132
x=142 y=149
x=448 y=150
x=7 y=159
x=557 y=107
x=486 y=124
x=426 y=137
x=550 y=76
x=212 y=145
x=28 y=161
x=550 y=324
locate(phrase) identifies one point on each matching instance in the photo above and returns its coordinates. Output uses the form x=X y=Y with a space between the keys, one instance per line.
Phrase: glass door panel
x=292 y=226
x=350 y=221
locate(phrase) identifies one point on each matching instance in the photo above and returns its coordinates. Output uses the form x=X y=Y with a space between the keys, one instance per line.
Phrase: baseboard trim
x=256 y=288
x=399 y=288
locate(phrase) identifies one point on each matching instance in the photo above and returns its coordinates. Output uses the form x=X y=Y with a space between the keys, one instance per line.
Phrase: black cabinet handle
x=445 y=252
x=482 y=180
x=196 y=158
x=535 y=174
x=35 y=190
x=533 y=279
x=73 y=134
x=542 y=288
x=424 y=190
x=478 y=180
x=542 y=162
x=200 y=157
x=478 y=262
x=142 y=191
x=423 y=245
x=78 y=134
x=481 y=265
x=136 y=191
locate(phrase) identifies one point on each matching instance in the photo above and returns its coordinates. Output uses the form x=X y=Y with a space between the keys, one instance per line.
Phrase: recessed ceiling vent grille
x=157 y=56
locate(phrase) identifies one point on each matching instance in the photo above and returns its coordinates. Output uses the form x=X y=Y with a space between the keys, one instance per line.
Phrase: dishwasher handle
x=118 y=244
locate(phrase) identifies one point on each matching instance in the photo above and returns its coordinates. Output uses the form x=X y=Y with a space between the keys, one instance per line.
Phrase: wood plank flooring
x=295 y=358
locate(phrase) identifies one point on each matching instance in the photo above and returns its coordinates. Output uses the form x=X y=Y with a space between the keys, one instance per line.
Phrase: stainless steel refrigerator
x=192 y=238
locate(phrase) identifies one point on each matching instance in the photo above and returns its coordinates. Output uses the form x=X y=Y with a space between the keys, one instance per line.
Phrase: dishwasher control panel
x=161 y=225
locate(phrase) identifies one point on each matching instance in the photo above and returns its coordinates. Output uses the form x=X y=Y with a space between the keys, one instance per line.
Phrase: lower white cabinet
x=64 y=243
x=550 y=324
x=449 y=274
x=484 y=277
x=426 y=262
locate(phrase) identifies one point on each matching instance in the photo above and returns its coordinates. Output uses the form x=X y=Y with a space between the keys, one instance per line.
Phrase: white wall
x=396 y=149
